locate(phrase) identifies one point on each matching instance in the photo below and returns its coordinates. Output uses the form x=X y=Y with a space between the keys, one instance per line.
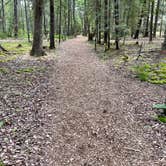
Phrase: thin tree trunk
x=74 y=18
x=151 y=21
x=52 y=25
x=27 y=21
x=3 y=16
x=156 y=18
x=60 y=20
x=69 y=21
x=109 y=22
x=15 y=19
x=140 y=21
x=116 y=13
x=105 y=21
x=37 y=49
x=162 y=16
x=164 y=43
x=99 y=40
x=147 y=22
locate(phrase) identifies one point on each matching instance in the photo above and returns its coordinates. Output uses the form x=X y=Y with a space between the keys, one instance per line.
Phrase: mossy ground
x=14 y=50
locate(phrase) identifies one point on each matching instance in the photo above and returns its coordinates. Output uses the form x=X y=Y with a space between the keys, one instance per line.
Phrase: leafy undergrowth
x=162 y=119
x=154 y=73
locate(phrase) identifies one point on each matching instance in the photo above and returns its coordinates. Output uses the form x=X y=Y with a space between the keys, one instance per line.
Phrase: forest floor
x=75 y=109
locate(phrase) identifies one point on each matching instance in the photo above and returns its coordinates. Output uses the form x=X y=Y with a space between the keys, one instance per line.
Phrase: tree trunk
x=37 y=49
x=151 y=21
x=74 y=18
x=146 y=34
x=27 y=21
x=3 y=16
x=85 y=29
x=164 y=43
x=52 y=25
x=116 y=14
x=140 y=21
x=109 y=22
x=69 y=21
x=15 y=19
x=60 y=20
x=162 y=16
x=156 y=18
x=99 y=40
x=105 y=21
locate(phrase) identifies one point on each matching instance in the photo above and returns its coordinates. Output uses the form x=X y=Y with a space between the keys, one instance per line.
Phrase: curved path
x=100 y=117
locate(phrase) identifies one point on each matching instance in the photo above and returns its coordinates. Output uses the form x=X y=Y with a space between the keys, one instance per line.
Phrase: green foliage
x=3 y=35
x=162 y=119
x=155 y=73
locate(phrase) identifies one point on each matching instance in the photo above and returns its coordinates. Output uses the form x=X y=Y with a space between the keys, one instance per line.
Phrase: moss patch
x=13 y=47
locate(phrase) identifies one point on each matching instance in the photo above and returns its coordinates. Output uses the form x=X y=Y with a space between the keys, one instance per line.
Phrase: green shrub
x=155 y=73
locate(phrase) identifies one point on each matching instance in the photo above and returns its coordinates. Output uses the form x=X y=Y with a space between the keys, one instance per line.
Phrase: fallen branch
x=3 y=49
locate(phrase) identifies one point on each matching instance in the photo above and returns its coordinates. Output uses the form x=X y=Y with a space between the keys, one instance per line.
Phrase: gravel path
x=101 y=116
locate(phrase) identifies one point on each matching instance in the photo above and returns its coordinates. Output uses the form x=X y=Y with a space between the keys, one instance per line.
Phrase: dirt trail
x=101 y=117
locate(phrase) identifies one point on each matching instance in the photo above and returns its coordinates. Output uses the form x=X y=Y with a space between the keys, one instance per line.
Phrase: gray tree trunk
x=37 y=49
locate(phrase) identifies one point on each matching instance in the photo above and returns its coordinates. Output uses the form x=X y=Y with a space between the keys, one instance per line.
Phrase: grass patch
x=155 y=73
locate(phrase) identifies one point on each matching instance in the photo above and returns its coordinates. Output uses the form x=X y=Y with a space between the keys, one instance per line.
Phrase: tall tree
x=140 y=21
x=116 y=14
x=105 y=21
x=164 y=43
x=3 y=16
x=156 y=18
x=151 y=21
x=37 y=49
x=27 y=21
x=15 y=19
x=52 y=25
x=146 y=33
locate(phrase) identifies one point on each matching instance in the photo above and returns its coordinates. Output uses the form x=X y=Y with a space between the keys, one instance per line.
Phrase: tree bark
x=116 y=13
x=151 y=21
x=37 y=49
x=105 y=21
x=52 y=25
x=15 y=19
x=3 y=17
x=164 y=43
x=27 y=21
x=146 y=34
x=140 y=21
x=156 y=18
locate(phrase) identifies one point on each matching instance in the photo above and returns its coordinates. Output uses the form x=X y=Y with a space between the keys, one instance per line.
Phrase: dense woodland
x=102 y=20
x=82 y=82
